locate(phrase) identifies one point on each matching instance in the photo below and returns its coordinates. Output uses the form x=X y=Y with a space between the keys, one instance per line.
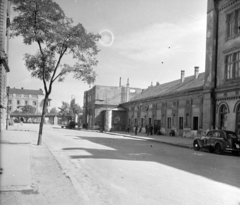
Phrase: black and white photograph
x=120 y=102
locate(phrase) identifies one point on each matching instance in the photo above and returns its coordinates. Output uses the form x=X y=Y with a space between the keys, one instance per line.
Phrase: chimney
x=127 y=91
x=196 y=72
x=120 y=82
x=182 y=75
x=22 y=88
x=151 y=84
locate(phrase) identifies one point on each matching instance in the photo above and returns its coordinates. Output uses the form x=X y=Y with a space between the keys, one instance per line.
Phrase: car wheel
x=196 y=146
x=218 y=149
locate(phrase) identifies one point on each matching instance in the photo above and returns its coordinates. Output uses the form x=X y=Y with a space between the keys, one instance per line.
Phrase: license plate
x=237 y=146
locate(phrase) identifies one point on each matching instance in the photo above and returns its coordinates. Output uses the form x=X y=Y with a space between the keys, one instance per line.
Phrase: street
x=110 y=169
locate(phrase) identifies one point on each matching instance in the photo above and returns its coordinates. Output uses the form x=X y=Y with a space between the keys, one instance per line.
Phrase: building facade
x=4 y=69
x=222 y=71
x=22 y=97
x=99 y=99
x=176 y=105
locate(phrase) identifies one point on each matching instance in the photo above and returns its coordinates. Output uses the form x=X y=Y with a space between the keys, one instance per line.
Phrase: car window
x=231 y=135
x=216 y=134
x=209 y=134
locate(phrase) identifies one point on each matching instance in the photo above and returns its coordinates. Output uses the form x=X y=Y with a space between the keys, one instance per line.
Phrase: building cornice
x=229 y=4
x=164 y=97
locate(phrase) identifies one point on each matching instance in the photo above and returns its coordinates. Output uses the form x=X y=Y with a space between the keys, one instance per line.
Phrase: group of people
x=148 y=129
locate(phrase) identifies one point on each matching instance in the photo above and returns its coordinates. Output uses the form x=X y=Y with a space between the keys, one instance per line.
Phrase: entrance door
x=223 y=115
x=195 y=123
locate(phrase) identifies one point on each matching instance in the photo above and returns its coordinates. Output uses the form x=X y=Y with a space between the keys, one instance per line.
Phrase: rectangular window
x=34 y=103
x=238 y=22
x=26 y=102
x=229 y=66
x=26 y=96
x=9 y=102
x=18 y=102
x=169 y=123
x=180 y=123
x=230 y=25
x=18 y=95
x=237 y=65
x=232 y=65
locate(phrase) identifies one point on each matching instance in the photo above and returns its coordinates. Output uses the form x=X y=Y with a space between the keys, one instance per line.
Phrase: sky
x=145 y=41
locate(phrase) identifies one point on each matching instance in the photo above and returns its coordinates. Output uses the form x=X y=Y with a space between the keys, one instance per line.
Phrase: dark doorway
x=195 y=123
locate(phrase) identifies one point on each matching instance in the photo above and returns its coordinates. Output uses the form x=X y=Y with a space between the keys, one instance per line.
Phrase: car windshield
x=231 y=135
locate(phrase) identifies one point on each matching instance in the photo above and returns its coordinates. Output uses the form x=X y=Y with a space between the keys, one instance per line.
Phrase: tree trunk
x=42 y=120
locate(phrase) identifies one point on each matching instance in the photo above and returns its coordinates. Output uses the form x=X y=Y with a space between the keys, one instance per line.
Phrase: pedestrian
x=136 y=129
x=151 y=129
x=128 y=128
x=21 y=121
x=147 y=130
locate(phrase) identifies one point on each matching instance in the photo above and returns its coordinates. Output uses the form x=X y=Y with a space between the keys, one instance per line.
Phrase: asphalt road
x=107 y=169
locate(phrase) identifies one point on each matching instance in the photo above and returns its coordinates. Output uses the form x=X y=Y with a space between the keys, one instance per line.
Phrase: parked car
x=218 y=141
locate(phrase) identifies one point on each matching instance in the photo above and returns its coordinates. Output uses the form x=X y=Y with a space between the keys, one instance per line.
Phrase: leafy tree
x=64 y=110
x=74 y=108
x=54 y=111
x=43 y=22
x=29 y=109
x=26 y=109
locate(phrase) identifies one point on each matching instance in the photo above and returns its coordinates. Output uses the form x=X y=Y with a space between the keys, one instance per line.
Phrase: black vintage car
x=218 y=141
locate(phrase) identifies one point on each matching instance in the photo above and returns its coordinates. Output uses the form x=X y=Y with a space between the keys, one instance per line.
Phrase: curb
x=153 y=140
x=17 y=188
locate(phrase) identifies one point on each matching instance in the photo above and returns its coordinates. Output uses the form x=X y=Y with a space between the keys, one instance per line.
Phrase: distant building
x=175 y=105
x=4 y=69
x=21 y=97
x=101 y=98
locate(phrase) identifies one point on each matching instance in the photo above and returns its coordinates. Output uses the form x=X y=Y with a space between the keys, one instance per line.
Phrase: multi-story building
x=4 y=69
x=21 y=97
x=222 y=72
x=101 y=98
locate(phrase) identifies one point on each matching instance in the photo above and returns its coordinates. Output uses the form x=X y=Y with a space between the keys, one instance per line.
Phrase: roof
x=172 y=87
x=25 y=91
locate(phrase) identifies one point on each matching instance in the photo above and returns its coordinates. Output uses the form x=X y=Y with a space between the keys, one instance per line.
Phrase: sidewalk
x=31 y=174
x=15 y=161
x=171 y=140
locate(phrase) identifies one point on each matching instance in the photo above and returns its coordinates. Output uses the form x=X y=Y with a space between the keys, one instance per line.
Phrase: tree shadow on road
x=219 y=168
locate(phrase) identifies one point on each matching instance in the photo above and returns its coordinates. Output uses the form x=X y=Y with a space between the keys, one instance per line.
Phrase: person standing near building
x=136 y=129
x=147 y=130
x=128 y=128
x=151 y=129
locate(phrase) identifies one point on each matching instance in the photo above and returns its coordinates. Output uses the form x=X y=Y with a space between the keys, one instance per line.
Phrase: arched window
x=223 y=117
